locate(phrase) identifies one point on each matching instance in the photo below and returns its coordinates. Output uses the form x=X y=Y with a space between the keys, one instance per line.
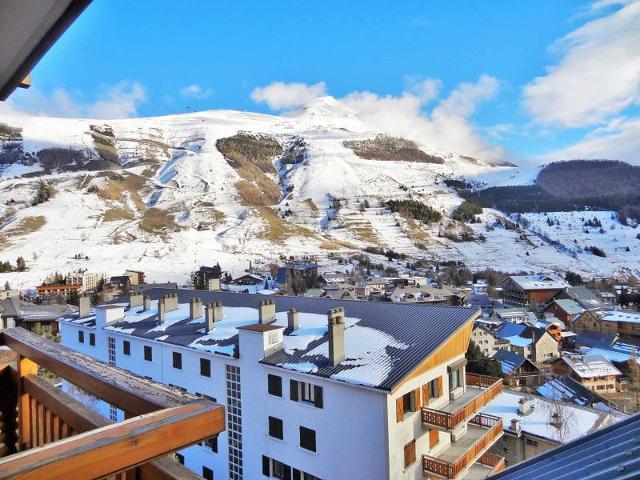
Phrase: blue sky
x=164 y=56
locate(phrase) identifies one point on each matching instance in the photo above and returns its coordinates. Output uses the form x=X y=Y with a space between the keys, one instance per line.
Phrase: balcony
x=482 y=431
x=45 y=433
x=486 y=466
x=480 y=390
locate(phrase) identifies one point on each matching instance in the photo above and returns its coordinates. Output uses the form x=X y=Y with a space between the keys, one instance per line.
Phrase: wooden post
x=25 y=367
x=8 y=403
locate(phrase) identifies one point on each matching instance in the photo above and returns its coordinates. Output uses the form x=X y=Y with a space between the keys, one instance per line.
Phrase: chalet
x=425 y=294
x=586 y=298
x=534 y=425
x=520 y=371
x=18 y=313
x=487 y=340
x=531 y=290
x=566 y=389
x=565 y=309
x=512 y=315
x=246 y=279
x=536 y=344
x=593 y=371
x=609 y=321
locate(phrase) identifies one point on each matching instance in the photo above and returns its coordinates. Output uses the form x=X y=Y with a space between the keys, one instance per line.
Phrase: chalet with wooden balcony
x=314 y=389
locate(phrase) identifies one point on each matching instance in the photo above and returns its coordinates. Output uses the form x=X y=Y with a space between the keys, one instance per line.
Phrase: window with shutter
x=308 y=439
x=416 y=399
x=399 y=409
x=439 y=386
x=318 y=396
x=293 y=390
x=266 y=466
x=409 y=453
x=274 y=385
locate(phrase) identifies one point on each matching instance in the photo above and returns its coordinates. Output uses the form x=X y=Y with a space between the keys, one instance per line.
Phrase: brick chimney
x=195 y=308
x=267 y=312
x=135 y=300
x=336 y=335
x=292 y=319
x=162 y=310
x=213 y=313
x=171 y=302
x=147 y=302
x=84 y=306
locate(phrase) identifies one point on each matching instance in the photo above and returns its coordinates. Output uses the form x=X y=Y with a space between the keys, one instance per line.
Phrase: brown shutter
x=399 y=410
x=439 y=387
x=417 y=397
x=434 y=437
x=409 y=453
x=425 y=394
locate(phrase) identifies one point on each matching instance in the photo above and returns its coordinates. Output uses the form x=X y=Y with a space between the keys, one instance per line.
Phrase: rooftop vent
x=336 y=335
x=525 y=406
x=135 y=300
x=267 y=311
x=84 y=306
x=195 y=308
x=292 y=319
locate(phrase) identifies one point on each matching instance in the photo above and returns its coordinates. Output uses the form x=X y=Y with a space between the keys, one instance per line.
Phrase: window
x=274 y=385
x=126 y=347
x=177 y=360
x=409 y=453
x=207 y=473
x=80 y=336
x=111 y=350
x=205 y=367
x=148 y=354
x=274 y=337
x=92 y=339
x=308 y=439
x=434 y=390
x=305 y=392
x=454 y=379
x=275 y=428
x=300 y=475
x=180 y=458
x=409 y=403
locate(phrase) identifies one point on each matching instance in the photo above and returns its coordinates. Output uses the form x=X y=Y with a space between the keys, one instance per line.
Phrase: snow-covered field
x=172 y=169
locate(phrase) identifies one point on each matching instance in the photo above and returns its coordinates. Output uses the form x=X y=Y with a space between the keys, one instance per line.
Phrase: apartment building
x=313 y=389
x=531 y=290
x=87 y=281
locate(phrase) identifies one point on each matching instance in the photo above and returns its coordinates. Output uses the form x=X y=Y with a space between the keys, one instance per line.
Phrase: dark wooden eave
x=28 y=28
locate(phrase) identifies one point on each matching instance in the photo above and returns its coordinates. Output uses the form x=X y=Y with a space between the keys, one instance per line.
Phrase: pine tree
x=21 y=265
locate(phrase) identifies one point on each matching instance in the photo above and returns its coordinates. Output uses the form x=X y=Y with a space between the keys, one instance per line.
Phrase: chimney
x=135 y=300
x=84 y=306
x=171 y=302
x=336 y=335
x=515 y=426
x=292 y=317
x=195 y=308
x=213 y=284
x=556 y=420
x=267 y=313
x=162 y=309
x=525 y=406
x=213 y=313
x=147 y=302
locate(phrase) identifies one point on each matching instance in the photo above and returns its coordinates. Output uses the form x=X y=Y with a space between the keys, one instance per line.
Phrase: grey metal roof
x=610 y=453
x=26 y=311
x=422 y=327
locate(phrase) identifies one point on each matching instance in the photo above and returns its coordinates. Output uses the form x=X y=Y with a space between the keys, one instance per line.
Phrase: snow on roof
x=509 y=361
x=621 y=316
x=539 y=282
x=565 y=388
x=570 y=306
x=576 y=421
x=589 y=366
x=383 y=341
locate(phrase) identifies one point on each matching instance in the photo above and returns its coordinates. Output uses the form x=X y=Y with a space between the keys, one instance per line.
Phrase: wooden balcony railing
x=452 y=470
x=496 y=462
x=45 y=433
x=491 y=386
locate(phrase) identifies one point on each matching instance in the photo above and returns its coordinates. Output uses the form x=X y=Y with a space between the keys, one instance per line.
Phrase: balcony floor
x=477 y=472
x=469 y=394
x=457 y=449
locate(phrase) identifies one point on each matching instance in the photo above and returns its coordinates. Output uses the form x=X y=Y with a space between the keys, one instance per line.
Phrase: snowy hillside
x=158 y=194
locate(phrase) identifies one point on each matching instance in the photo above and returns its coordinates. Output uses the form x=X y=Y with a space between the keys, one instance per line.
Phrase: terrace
x=45 y=433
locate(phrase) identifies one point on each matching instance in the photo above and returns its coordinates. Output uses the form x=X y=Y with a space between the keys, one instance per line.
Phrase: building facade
x=313 y=389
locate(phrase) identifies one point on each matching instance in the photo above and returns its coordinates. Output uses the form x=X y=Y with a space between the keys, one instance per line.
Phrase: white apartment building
x=313 y=388
x=87 y=281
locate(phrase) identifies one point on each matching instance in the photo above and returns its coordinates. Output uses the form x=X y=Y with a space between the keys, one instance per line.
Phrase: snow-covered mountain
x=168 y=194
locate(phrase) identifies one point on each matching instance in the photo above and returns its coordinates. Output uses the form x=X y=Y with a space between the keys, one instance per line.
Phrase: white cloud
x=196 y=91
x=446 y=127
x=288 y=96
x=597 y=75
x=116 y=101
x=618 y=140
